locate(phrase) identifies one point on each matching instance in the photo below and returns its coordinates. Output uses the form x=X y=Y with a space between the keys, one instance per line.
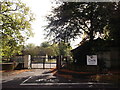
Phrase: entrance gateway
x=43 y=62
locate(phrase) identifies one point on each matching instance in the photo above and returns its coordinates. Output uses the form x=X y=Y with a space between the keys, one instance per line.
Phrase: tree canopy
x=45 y=44
x=48 y=49
x=16 y=27
x=114 y=25
x=73 y=19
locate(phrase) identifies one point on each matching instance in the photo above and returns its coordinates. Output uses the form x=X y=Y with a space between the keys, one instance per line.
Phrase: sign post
x=91 y=59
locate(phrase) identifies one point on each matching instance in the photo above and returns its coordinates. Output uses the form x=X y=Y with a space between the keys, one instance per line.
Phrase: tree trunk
x=91 y=27
x=91 y=35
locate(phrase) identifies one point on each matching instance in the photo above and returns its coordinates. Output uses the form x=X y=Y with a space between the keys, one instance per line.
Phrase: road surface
x=40 y=65
x=44 y=78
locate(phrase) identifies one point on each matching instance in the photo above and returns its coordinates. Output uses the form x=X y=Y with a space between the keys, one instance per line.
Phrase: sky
x=41 y=8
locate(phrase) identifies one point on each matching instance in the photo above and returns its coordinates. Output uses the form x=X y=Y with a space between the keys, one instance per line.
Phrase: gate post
x=44 y=60
x=27 y=61
x=58 y=62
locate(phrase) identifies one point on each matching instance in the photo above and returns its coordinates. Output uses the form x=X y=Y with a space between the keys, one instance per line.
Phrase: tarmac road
x=43 y=79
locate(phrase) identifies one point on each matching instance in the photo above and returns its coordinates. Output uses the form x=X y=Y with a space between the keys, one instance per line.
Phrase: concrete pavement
x=43 y=78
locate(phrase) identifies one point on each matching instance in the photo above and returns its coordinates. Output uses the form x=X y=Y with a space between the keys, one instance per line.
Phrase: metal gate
x=43 y=62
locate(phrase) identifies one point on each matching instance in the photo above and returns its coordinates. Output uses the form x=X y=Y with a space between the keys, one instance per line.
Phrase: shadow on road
x=46 y=80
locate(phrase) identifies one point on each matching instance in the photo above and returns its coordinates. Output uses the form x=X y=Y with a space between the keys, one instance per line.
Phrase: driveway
x=40 y=65
x=44 y=78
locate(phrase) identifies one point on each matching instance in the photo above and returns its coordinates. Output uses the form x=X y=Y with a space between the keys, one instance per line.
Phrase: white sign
x=91 y=59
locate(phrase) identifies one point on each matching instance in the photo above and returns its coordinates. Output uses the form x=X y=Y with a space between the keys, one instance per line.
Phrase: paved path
x=43 y=78
x=33 y=72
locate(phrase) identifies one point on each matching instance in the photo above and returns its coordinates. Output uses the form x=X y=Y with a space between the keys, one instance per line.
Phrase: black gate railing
x=43 y=62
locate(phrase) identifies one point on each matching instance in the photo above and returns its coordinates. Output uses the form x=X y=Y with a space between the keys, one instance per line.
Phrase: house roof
x=97 y=43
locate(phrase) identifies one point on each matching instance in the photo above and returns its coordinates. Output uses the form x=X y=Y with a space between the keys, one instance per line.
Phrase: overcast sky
x=40 y=8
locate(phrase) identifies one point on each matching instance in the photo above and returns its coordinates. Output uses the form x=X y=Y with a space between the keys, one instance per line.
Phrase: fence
x=62 y=62
x=43 y=62
x=28 y=61
x=19 y=59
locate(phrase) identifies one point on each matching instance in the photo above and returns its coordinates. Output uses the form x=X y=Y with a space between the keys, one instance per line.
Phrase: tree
x=114 y=25
x=47 y=48
x=42 y=50
x=55 y=49
x=16 y=28
x=45 y=44
x=111 y=31
x=31 y=49
x=64 y=49
x=73 y=19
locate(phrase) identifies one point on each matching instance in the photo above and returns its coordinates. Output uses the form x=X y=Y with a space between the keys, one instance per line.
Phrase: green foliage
x=55 y=49
x=114 y=25
x=47 y=49
x=111 y=31
x=30 y=49
x=43 y=49
x=64 y=49
x=45 y=44
x=16 y=28
x=73 y=19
